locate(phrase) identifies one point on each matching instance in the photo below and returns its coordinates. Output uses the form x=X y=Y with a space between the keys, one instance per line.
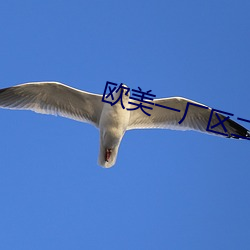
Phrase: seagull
x=113 y=121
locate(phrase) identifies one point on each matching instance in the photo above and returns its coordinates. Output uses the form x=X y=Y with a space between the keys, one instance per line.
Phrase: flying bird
x=113 y=121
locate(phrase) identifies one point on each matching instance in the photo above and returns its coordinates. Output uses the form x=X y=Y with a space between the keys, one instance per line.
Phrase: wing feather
x=197 y=118
x=53 y=98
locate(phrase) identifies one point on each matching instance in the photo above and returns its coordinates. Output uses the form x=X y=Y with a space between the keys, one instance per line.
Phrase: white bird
x=112 y=120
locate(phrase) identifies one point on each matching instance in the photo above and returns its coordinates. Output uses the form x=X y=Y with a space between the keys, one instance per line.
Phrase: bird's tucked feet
x=108 y=154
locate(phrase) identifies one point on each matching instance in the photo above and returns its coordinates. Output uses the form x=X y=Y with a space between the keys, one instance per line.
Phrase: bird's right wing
x=53 y=98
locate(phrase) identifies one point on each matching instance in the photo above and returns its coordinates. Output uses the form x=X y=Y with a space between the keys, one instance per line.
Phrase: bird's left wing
x=179 y=113
x=53 y=98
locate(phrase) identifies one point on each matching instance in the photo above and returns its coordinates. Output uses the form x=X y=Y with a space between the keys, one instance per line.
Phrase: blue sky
x=169 y=189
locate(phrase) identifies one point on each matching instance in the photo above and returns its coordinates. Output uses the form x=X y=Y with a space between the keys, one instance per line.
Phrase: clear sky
x=169 y=189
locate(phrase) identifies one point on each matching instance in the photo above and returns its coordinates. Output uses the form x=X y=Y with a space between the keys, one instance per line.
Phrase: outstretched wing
x=191 y=116
x=55 y=99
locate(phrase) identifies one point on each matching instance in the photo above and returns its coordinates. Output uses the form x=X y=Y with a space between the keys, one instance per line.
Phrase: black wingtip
x=3 y=90
x=240 y=131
